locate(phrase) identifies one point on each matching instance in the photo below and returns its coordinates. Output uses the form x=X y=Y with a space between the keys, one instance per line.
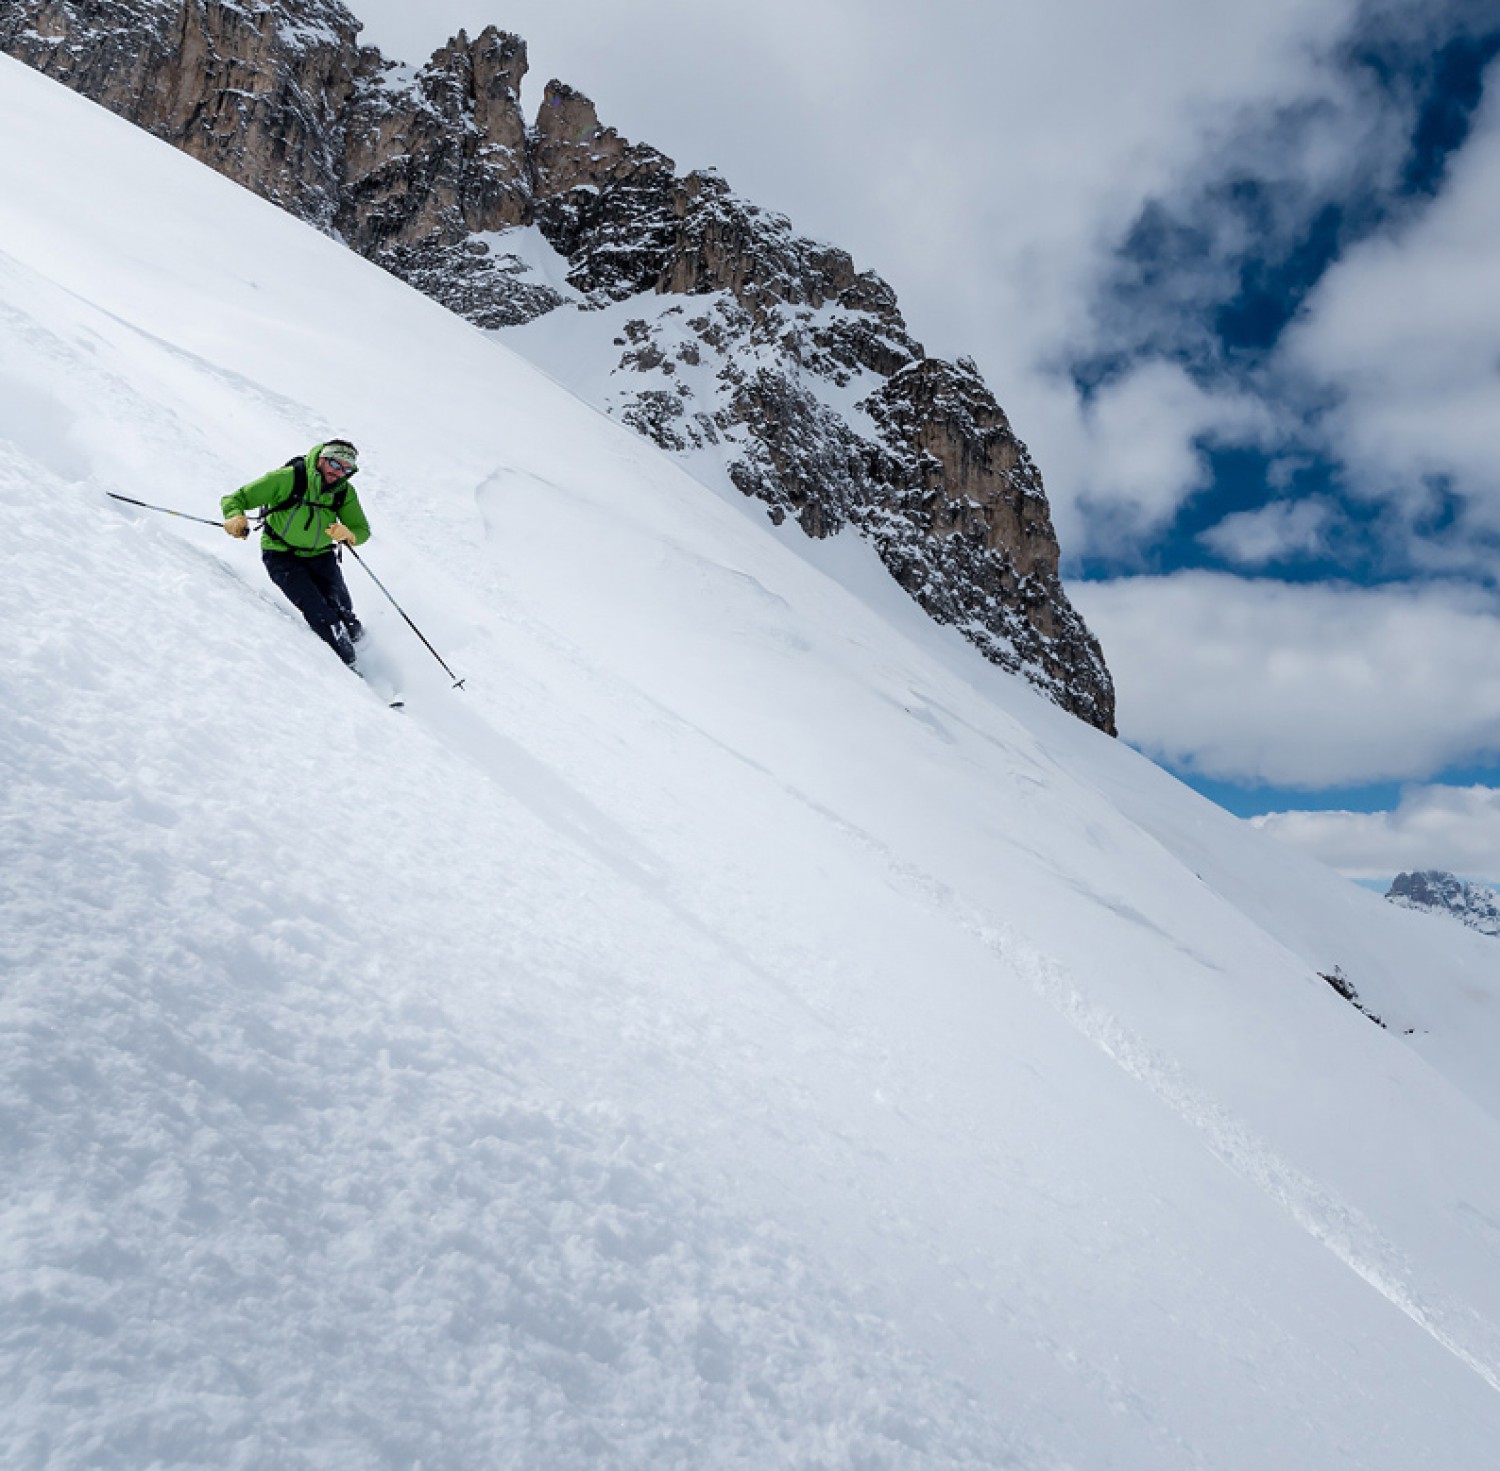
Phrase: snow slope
x=741 y=1028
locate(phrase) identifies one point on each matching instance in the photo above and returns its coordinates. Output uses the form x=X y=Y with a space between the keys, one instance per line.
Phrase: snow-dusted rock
x=1444 y=893
x=255 y=90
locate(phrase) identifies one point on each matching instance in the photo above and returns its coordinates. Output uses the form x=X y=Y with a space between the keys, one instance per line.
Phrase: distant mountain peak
x=1440 y=892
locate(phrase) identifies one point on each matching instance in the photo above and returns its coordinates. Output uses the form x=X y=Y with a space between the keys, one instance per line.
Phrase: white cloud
x=1273 y=533
x=1289 y=685
x=1134 y=454
x=1406 y=330
x=1452 y=828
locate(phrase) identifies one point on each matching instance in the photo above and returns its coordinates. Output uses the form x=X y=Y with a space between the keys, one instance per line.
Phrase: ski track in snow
x=1336 y=1225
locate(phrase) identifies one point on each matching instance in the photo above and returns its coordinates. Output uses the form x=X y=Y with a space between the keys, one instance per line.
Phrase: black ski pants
x=315 y=587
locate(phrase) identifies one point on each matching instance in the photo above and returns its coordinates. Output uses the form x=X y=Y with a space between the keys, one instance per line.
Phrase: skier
x=310 y=507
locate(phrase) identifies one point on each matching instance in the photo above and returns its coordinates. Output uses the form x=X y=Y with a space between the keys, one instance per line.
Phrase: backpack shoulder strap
x=298 y=467
x=299 y=491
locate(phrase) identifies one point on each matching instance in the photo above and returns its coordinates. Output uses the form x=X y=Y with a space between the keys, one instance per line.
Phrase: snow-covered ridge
x=743 y=1028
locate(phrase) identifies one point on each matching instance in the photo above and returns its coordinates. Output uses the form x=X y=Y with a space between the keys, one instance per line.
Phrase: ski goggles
x=345 y=456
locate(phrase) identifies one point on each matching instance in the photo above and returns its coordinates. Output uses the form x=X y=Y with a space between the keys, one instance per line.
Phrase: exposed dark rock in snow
x=744 y=337
x=1345 y=988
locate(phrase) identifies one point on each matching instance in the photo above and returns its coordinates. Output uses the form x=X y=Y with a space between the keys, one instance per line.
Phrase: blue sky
x=1213 y=280
x=1231 y=271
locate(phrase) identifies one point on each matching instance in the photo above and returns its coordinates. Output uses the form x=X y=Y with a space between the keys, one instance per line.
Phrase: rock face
x=714 y=329
x=1443 y=893
x=231 y=84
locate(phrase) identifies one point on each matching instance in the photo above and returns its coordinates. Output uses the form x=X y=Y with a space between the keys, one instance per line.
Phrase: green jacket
x=302 y=530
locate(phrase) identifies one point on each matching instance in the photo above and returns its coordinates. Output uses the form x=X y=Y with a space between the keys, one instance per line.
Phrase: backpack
x=298 y=497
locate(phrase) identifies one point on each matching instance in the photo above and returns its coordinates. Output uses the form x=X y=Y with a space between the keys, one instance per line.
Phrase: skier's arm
x=269 y=489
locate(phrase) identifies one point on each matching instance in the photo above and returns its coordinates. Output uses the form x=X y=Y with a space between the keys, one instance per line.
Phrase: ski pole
x=458 y=684
x=165 y=510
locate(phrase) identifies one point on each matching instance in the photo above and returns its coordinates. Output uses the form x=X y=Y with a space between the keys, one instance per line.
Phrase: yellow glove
x=238 y=526
x=339 y=532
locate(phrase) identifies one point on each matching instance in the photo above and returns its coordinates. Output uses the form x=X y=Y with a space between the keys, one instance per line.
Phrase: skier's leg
x=298 y=579
x=331 y=580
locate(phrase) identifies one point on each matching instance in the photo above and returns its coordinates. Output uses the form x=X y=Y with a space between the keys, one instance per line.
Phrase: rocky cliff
x=711 y=326
x=1444 y=893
